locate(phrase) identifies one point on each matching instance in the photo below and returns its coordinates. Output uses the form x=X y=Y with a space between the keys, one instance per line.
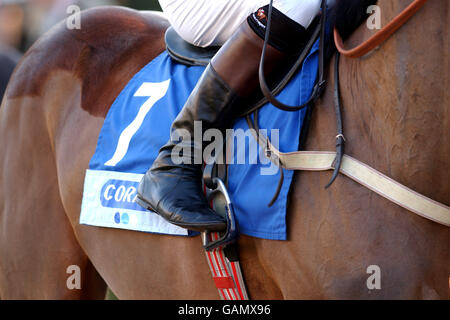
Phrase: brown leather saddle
x=186 y=53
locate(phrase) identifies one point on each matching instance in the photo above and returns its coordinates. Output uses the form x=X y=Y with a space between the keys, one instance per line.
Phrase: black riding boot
x=174 y=190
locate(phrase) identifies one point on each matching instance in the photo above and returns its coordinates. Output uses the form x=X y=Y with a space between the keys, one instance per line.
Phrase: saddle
x=186 y=53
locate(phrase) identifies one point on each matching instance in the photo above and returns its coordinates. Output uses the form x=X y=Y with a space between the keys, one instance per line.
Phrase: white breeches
x=211 y=22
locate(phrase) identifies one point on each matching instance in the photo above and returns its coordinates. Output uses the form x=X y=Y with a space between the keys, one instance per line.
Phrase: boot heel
x=144 y=204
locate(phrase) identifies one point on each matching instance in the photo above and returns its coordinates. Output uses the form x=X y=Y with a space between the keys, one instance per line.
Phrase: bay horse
x=395 y=117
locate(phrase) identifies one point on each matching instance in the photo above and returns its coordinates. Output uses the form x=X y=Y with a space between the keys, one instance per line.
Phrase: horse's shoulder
x=111 y=43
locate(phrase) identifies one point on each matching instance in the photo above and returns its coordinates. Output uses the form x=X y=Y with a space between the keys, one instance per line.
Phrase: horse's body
x=395 y=120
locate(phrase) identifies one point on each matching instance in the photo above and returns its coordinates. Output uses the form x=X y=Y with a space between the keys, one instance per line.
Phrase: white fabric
x=211 y=22
x=208 y=22
x=99 y=186
x=302 y=11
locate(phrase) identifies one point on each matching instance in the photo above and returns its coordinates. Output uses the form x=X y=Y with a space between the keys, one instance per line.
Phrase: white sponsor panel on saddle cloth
x=108 y=201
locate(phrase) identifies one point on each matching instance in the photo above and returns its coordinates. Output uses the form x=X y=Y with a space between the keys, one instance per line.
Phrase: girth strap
x=226 y=271
x=368 y=177
x=221 y=249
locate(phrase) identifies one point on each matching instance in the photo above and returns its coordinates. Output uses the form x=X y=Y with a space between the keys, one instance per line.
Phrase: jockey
x=173 y=189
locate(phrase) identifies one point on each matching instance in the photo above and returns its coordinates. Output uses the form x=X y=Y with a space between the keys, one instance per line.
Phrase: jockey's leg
x=206 y=23
x=210 y=23
x=174 y=189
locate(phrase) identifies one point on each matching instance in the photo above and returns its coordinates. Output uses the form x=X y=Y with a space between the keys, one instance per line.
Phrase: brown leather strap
x=320 y=83
x=382 y=35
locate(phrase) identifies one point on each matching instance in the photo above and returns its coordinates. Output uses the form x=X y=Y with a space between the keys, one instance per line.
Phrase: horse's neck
x=395 y=100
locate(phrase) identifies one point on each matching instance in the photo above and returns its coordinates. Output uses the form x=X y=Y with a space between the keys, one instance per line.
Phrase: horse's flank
x=111 y=46
x=395 y=120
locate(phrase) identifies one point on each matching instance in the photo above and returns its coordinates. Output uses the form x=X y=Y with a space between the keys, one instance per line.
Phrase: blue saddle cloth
x=138 y=124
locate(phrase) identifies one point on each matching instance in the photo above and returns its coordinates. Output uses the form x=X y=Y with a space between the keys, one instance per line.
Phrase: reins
x=359 y=51
x=381 y=36
x=320 y=84
x=230 y=281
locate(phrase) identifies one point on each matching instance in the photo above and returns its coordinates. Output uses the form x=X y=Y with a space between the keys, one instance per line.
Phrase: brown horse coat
x=395 y=118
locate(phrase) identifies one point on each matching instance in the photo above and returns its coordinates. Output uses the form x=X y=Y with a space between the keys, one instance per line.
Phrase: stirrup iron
x=220 y=198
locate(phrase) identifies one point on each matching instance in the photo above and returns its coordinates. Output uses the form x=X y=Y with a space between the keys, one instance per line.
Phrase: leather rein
x=361 y=50
x=382 y=35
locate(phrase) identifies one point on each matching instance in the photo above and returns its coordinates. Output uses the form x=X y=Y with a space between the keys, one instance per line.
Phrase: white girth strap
x=368 y=177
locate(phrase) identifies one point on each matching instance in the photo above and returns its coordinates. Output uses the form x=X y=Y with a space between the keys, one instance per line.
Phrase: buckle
x=318 y=89
x=223 y=206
